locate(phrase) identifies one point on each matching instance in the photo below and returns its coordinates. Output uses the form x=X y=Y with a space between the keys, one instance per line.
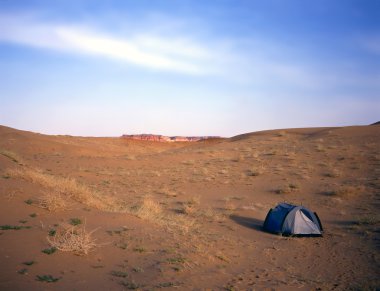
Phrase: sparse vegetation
x=73 y=239
x=181 y=235
x=169 y=284
x=343 y=191
x=11 y=155
x=75 y=221
x=69 y=187
x=368 y=220
x=23 y=271
x=139 y=249
x=52 y=201
x=13 y=227
x=334 y=173
x=49 y=251
x=119 y=274
x=46 y=278
x=52 y=232
x=131 y=285
x=176 y=260
x=287 y=189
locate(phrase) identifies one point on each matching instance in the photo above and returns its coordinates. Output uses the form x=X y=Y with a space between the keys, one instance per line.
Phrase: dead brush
x=189 y=206
x=287 y=189
x=69 y=187
x=12 y=156
x=345 y=191
x=149 y=209
x=152 y=211
x=73 y=239
x=52 y=201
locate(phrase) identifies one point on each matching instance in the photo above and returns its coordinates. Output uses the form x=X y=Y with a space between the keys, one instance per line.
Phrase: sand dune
x=82 y=213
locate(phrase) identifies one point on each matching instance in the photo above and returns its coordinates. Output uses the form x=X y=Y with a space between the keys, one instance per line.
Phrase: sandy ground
x=188 y=216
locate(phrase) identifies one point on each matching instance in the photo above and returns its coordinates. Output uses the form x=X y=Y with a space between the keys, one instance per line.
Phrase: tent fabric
x=288 y=219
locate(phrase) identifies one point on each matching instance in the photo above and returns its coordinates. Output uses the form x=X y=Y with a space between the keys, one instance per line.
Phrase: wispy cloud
x=249 y=60
x=157 y=53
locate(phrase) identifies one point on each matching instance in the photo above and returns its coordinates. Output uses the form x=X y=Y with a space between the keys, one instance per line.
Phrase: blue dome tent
x=292 y=220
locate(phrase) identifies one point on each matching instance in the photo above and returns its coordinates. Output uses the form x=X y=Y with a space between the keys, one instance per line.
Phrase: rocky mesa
x=163 y=138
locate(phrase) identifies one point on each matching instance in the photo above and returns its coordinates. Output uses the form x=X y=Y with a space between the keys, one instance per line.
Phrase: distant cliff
x=163 y=138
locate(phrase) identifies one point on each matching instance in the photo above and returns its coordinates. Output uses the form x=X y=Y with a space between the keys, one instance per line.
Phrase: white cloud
x=167 y=54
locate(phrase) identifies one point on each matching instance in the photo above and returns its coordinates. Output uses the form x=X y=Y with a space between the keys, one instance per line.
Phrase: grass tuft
x=73 y=239
x=52 y=201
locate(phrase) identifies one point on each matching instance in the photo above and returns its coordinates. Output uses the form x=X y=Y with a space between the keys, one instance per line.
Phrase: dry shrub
x=255 y=171
x=344 y=191
x=149 y=209
x=52 y=201
x=212 y=215
x=152 y=211
x=230 y=206
x=189 y=206
x=334 y=173
x=12 y=156
x=73 y=239
x=287 y=189
x=187 y=209
x=69 y=187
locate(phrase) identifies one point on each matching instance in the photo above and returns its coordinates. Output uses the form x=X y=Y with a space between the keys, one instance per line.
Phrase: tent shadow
x=248 y=222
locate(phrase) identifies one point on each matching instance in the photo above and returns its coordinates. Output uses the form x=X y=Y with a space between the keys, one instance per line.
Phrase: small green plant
x=139 y=249
x=119 y=274
x=46 y=278
x=23 y=271
x=29 y=201
x=49 y=251
x=33 y=215
x=131 y=285
x=168 y=284
x=138 y=270
x=123 y=246
x=75 y=221
x=52 y=232
x=13 y=227
x=29 y=263
x=177 y=260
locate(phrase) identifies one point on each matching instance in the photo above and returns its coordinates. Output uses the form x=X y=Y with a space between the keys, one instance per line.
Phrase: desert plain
x=86 y=213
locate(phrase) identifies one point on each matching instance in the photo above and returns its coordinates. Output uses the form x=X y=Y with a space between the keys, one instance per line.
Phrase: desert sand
x=82 y=213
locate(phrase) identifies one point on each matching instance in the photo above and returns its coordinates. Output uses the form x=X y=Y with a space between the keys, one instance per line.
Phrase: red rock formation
x=163 y=138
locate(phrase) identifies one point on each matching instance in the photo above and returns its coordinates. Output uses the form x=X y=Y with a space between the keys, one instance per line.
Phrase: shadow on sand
x=249 y=222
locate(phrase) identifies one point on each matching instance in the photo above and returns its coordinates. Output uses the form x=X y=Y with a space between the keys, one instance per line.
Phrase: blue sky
x=225 y=67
